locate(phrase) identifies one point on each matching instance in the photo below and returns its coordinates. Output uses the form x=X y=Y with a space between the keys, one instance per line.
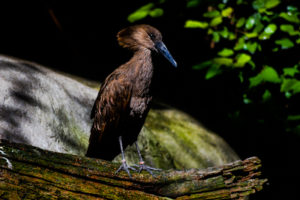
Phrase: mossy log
x=28 y=172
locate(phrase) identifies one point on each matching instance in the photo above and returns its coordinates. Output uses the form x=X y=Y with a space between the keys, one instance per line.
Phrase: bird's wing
x=111 y=104
x=94 y=109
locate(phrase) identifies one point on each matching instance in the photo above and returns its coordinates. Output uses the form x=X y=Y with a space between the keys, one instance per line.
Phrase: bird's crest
x=139 y=36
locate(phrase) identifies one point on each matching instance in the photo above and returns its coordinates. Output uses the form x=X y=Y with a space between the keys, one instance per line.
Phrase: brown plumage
x=123 y=100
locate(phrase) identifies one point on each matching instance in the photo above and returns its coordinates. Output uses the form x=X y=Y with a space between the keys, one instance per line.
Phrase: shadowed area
x=12 y=115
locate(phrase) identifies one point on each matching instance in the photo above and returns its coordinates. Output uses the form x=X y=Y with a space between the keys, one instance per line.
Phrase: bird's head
x=144 y=36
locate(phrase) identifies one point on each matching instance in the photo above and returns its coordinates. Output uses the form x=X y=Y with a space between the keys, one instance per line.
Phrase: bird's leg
x=142 y=165
x=124 y=165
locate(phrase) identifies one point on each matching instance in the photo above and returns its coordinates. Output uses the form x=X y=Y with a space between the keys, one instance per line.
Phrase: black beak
x=161 y=47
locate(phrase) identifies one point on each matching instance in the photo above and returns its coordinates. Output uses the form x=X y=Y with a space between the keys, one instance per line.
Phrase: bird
x=124 y=98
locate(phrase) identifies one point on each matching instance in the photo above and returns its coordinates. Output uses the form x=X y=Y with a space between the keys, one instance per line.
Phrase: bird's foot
x=141 y=166
x=125 y=167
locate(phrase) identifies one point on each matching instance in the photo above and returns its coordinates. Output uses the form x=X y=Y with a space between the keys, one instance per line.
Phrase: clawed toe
x=147 y=168
x=126 y=168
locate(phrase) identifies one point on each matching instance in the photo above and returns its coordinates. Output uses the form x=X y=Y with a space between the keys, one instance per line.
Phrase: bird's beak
x=161 y=47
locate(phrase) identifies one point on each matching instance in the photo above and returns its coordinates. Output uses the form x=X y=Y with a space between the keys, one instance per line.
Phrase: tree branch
x=39 y=174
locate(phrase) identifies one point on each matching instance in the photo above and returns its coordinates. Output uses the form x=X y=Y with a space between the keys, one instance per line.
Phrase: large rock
x=43 y=108
x=49 y=110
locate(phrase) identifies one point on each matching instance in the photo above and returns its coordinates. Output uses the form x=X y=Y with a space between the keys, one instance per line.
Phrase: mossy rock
x=51 y=110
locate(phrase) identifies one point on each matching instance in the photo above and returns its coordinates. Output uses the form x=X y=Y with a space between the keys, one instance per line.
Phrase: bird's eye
x=152 y=36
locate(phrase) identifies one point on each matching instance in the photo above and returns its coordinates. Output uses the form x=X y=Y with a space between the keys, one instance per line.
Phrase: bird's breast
x=142 y=80
x=139 y=106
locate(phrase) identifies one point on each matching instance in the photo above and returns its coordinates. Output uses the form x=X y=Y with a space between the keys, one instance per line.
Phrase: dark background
x=79 y=37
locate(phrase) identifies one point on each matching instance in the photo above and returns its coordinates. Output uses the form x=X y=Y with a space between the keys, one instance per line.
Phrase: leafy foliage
x=258 y=40
x=144 y=11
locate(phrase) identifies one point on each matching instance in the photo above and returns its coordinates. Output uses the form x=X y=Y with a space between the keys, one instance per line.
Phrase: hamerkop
x=122 y=104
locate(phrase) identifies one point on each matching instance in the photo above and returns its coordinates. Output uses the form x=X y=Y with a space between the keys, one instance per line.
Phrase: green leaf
x=224 y=33
x=221 y=6
x=232 y=36
x=290 y=71
x=212 y=72
x=250 y=22
x=266 y=96
x=251 y=35
x=251 y=47
x=259 y=47
x=285 y=43
x=265 y=4
x=268 y=74
x=289 y=29
x=192 y=3
x=298 y=41
x=241 y=77
x=252 y=64
x=146 y=7
x=287 y=95
x=216 y=37
x=137 y=16
x=157 y=12
x=216 y=21
x=140 y=13
x=239 y=2
x=292 y=8
x=242 y=59
x=195 y=24
x=212 y=14
x=293 y=117
x=271 y=3
x=240 y=22
x=223 y=61
x=210 y=31
x=266 y=18
x=270 y=29
x=258 y=26
x=264 y=36
x=227 y=12
x=258 y=4
x=240 y=44
x=226 y=52
x=291 y=17
x=203 y=65
x=292 y=85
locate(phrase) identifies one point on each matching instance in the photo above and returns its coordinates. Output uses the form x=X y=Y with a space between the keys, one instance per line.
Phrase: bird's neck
x=142 y=55
x=142 y=70
x=141 y=62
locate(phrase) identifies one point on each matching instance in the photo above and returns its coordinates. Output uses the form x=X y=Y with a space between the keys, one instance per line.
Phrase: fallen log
x=28 y=172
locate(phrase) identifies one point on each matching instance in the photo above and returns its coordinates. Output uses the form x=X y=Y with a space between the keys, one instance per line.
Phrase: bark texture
x=28 y=172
